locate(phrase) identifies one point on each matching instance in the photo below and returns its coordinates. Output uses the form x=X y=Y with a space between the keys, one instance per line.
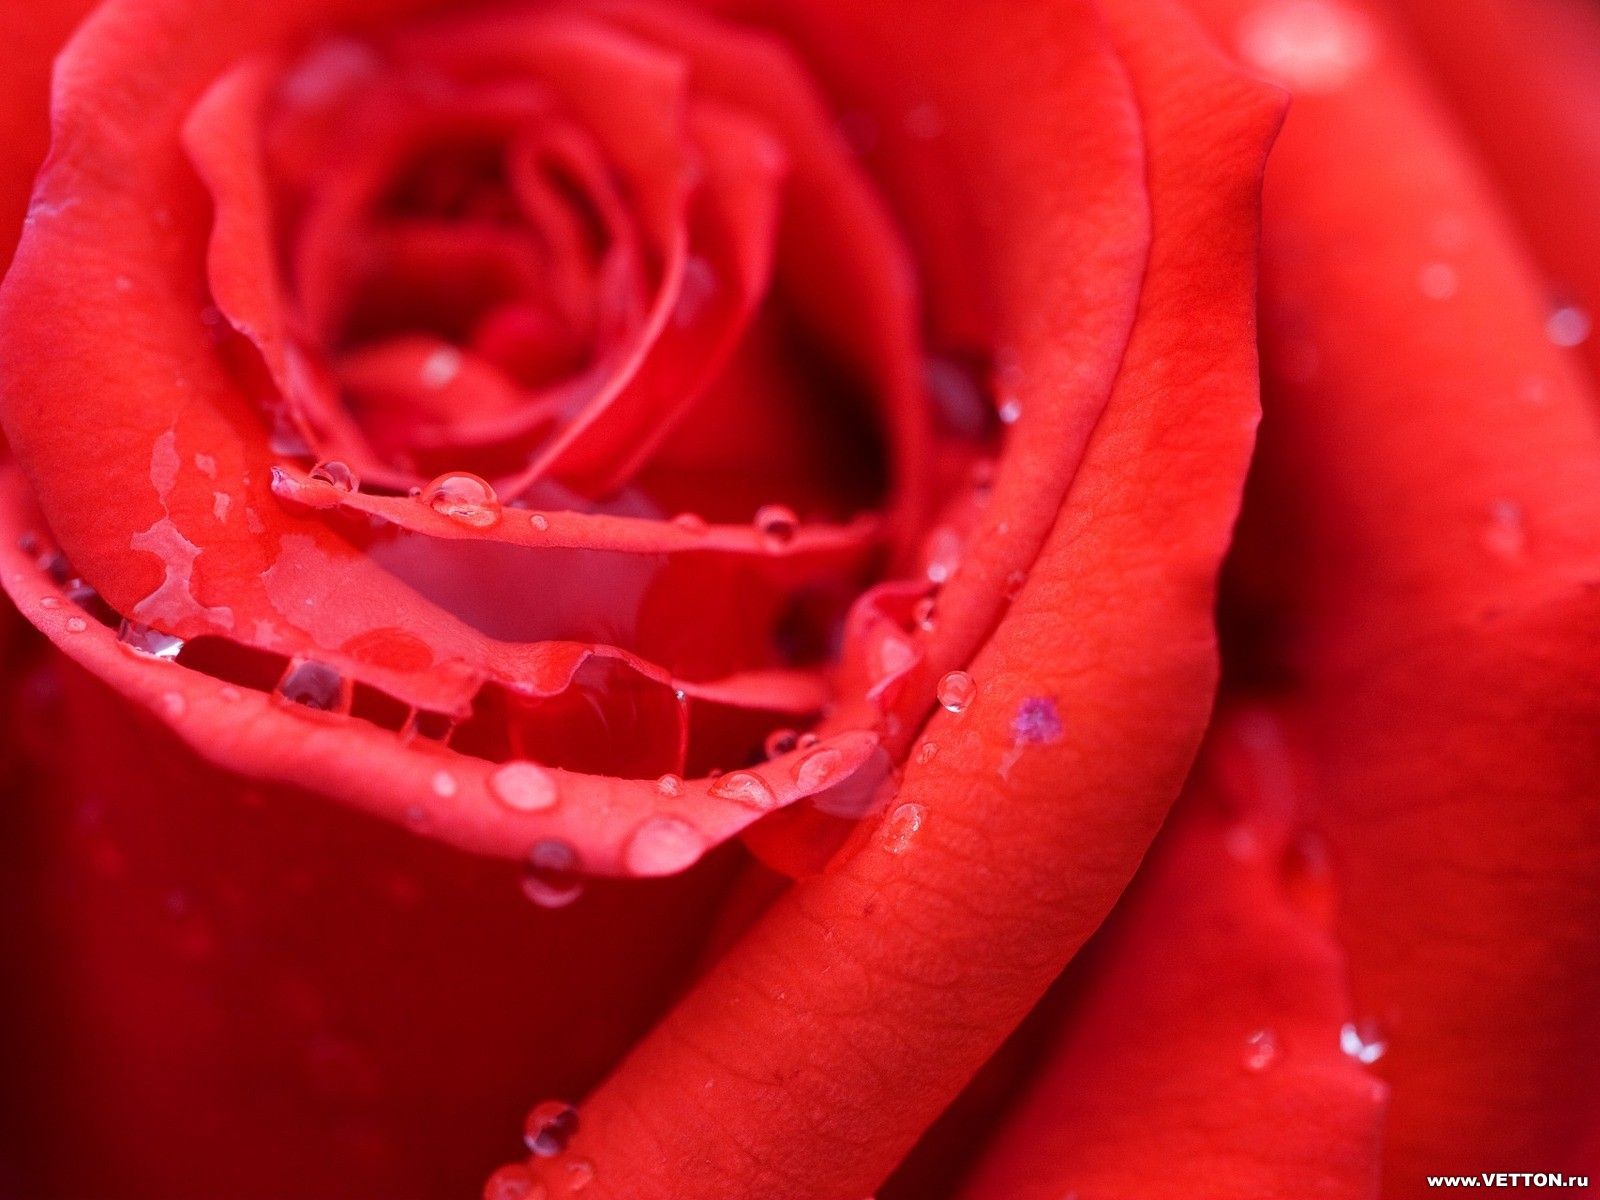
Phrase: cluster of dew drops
x=471 y=500
x=1363 y=1041
x=548 y=1130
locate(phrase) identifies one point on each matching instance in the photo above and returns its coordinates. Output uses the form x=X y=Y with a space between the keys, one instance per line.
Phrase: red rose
x=615 y=439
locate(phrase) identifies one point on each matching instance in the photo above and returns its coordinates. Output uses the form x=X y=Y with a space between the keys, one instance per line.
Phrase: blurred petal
x=1418 y=575
x=1203 y=1050
x=1525 y=79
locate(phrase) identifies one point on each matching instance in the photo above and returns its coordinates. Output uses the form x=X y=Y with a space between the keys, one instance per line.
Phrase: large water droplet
x=747 y=788
x=956 y=691
x=523 y=787
x=670 y=785
x=819 y=769
x=1363 y=1041
x=901 y=826
x=550 y=877
x=663 y=846
x=549 y=1128
x=464 y=498
x=307 y=493
x=777 y=525
x=142 y=639
x=1260 y=1050
x=336 y=474
x=313 y=685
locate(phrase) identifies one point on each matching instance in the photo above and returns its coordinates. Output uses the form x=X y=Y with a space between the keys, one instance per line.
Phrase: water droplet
x=549 y=1128
x=1260 y=1050
x=1014 y=583
x=817 y=770
x=901 y=826
x=1438 y=281
x=806 y=740
x=1568 y=326
x=943 y=552
x=539 y=521
x=690 y=522
x=1037 y=722
x=336 y=475
x=1010 y=410
x=464 y=498
x=925 y=613
x=550 y=877
x=747 y=788
x=142 y=639
x=514 y=1182
x=777 y=525
x=313 y=685
x=523 y=787
x=444 y=784
x=670 y=785
x=173 y=704
x=663 y=846
x=580 y=1174
x=304 y=492
x=441 y=367
x=926 y=752
x=1363 y=1041
x=1505 y=536
x=956 y=691
x=50 y=602
x=76 y=624
x=780 y=742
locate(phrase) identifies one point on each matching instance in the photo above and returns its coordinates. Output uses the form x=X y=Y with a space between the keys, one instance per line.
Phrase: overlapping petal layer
x=933 y=934
x=1417 y=575
x=1204 y=1043
x=190 y=204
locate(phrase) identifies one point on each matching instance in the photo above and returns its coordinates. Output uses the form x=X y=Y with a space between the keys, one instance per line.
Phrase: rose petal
x=1525 y=77
x=828 y=1094
x=1425 y=530
x=1204 y=1041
